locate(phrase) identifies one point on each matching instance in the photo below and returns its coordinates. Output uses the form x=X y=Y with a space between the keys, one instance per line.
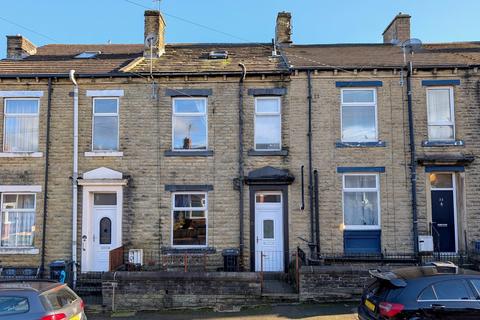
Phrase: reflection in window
x=189 y=124
x=441 y=180
x=18 y=220
x=360 y=201
x=10 y=305
x=189 y=219
x=268 y=198
x=105 y=199
x=105 y=124
x=267 y=124
x=451 y=290
x=105 y=231
x=20 y=133
x=359 y=115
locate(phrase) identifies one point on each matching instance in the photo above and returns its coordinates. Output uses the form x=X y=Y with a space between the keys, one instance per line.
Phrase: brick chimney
x=398 y=30
x=19 y=47
x=154 y=29
x=283 y=29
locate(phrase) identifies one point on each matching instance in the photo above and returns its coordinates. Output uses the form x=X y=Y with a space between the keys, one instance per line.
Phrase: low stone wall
x=333 y=283
x=164 y=290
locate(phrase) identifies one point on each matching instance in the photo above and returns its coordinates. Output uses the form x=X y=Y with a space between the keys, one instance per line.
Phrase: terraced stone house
x=167 y=149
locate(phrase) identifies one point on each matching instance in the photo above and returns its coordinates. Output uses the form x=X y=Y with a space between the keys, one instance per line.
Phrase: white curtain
x=21 y=126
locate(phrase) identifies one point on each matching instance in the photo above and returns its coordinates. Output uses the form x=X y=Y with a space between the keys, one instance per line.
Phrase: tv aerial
x=411 y=46
x=150 y=40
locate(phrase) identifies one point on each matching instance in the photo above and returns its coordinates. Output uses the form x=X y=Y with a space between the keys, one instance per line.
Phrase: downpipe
x=241 y=174
x=74 y=177
x=310 y=168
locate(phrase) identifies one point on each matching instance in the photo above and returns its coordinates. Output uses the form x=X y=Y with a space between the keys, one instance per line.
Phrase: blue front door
x=443 y=220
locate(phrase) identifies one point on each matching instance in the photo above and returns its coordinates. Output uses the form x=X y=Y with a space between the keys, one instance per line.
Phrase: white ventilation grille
x=135 y=256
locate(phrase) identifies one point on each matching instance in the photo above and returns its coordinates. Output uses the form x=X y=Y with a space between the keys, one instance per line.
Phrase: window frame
x=452 y=112
x=257 y=113
x=5 y=115
x=359 y=104
x=117 y=114
x=376 y=189
x=172 y=218
x=189 y=114
x=34 y=210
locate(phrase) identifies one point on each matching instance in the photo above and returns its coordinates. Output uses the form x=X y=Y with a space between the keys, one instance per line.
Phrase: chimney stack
x=398 y=30
x=154 y=34
x=283 y=29
x=19 y=47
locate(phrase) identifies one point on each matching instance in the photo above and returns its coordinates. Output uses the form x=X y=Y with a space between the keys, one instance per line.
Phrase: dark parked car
x=436 y=291
x=39 y=300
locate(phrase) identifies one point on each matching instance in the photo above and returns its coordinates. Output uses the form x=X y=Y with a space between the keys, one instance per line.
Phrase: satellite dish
x=150 y=40
x=412 y=45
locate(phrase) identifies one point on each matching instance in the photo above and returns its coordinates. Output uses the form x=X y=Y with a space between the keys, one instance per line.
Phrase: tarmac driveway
x=337 y=311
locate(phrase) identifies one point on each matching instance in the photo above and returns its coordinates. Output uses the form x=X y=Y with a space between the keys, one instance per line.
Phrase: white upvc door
x=103 y=236
x=269 y=250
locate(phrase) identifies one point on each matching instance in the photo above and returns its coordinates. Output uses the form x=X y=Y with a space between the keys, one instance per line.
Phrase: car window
x=427 y=294
x=451 y=290
x=59 y=299
x=476 y=285
x=10 y=305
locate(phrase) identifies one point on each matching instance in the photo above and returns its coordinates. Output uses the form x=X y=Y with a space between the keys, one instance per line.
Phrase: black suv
x=436 y=291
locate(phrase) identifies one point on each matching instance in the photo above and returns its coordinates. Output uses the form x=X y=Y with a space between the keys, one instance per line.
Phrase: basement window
x=88 y=55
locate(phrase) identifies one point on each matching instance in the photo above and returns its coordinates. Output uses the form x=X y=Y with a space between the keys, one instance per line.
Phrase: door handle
x=257 y=239
x=437 y=307
x=84 y=239
x=93 y=238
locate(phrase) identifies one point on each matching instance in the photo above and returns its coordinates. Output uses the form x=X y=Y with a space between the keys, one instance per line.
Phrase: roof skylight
x=87 y=55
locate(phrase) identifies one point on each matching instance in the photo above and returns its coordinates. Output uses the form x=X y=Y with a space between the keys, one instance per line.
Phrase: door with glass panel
x=269 y=250
x=104 y=224
x=442 y=186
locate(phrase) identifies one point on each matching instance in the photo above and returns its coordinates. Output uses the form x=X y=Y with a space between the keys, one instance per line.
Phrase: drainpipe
x=241 y=176
x=45 y=186
x=317 y=212
x=413 y=159
x=74 y=177
x=310 y=172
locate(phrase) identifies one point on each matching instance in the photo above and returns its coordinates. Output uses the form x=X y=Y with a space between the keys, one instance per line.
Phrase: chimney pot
x=283 y=29
x=398 y=30
x=154 y=27
x=19 y=47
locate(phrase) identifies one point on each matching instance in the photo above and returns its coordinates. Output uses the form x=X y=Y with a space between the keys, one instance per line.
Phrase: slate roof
x=458 y=54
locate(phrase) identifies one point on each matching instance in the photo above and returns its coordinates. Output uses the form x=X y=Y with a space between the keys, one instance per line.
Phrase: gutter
x=74 y=177
x=413 y=160
x=45 y=186
x=241 y=174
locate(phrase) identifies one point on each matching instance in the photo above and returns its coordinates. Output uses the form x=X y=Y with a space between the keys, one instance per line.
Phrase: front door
x=443 y=212
x=103 y=237
x=269 y=250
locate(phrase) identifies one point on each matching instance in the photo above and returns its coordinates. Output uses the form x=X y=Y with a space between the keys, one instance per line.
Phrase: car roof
x=411 y=273
x=38 y=286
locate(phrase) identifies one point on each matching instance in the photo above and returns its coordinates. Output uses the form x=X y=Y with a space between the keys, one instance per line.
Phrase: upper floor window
x=189 y=121
x=441 y=121
x=105 y=124
x=18 y=220
x=359 y=115
x=361 y=199
x=21 y=125
x=268 y=124
x=189 y=219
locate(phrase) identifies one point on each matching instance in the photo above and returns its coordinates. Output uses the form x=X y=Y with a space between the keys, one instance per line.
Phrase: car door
x=449 y=299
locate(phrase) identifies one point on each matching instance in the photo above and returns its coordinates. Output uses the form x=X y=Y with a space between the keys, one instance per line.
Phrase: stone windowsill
x=19 y=251
x=370 y=144
x=189 y=153
x=443 y=143
x=104 y=154
x=21 y=154
x=257 y=153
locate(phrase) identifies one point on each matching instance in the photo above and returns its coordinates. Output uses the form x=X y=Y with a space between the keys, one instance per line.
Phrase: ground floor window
x=18 y=220
x=361 y=201
x=189 y=219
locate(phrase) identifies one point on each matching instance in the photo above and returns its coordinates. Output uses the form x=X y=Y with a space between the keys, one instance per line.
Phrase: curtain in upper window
x=441 y=125
x=359 y=115
x=21 y=125
x=268 y=124
x=189 y=124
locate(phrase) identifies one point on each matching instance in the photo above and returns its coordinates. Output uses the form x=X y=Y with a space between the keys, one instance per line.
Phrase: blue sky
x=314 y=21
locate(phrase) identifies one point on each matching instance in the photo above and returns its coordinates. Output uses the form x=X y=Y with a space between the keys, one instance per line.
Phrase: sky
x=314 y=21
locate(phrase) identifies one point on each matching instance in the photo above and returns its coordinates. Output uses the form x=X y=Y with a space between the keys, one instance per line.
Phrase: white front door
x=103 y=236
x=269 y=250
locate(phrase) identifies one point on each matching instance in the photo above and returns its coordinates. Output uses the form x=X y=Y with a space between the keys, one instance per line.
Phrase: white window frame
x=376 y=189
x=441 y=123
x=359 y=104
x=34 y=209
x=257 y=113
x=5 y=115
x=185 y=114
x=204 y=209
x=117 y=114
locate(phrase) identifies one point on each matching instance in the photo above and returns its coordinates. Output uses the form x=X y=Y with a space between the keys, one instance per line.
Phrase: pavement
x=338 y=311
